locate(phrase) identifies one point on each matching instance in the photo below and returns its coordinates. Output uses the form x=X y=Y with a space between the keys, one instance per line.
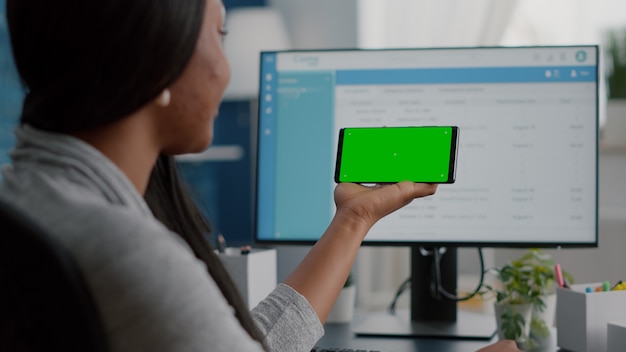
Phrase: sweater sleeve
x=288 y=321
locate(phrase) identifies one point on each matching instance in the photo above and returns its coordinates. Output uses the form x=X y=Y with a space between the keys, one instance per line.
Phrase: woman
x=116 y=87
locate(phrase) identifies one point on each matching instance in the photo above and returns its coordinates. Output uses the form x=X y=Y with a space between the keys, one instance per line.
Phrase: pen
x=618 y=286
x=221 y=243
x=559 y=275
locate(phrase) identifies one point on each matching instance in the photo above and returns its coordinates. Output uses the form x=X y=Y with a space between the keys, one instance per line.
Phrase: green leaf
x=538 y=328
x=512 y=324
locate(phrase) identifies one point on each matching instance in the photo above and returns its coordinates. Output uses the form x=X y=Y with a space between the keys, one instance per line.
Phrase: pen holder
x=254 y=272
x=582 y=318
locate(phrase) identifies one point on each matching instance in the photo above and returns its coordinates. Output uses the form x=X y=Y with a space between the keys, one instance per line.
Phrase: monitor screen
x=528 y=141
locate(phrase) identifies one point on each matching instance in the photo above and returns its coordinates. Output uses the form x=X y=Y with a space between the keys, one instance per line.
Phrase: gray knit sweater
x=152 y=292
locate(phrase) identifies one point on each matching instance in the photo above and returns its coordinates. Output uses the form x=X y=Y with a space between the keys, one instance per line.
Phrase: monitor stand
x=429 y=316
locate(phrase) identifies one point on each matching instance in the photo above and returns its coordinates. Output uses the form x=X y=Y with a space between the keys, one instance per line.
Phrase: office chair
x=45 y=304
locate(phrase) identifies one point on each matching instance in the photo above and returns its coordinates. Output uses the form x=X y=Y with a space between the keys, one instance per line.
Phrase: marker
x=566 y=283
x=559 y=275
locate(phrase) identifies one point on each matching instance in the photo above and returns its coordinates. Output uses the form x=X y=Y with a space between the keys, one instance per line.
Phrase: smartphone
x=425 y=154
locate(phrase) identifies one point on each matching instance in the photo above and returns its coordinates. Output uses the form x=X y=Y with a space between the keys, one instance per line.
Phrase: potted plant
x=525 y=299
x=513 y=308
x=616 y=54
x=343 y=309
x=613 y=131
x=543 y=295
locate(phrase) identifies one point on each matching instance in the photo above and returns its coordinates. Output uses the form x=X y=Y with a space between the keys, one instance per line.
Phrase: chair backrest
x=45 y=304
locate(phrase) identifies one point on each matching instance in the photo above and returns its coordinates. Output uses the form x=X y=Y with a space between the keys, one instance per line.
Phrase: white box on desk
x=254 y=273
x=582 y=318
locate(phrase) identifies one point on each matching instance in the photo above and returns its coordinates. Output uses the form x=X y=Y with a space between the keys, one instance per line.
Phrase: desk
x=340 y=335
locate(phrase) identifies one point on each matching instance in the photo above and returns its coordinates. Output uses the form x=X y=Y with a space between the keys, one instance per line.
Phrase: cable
x=406 y=284
x=441 y=291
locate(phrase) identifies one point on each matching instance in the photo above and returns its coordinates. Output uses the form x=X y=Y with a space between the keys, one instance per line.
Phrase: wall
x=320 y=23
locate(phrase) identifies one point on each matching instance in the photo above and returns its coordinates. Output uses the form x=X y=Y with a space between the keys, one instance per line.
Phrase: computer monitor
x=527 y=168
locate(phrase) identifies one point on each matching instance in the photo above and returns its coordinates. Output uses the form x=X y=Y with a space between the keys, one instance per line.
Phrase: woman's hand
x=501 y=346
x=370 y=204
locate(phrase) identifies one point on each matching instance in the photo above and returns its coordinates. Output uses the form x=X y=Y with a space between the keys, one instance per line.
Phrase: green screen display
x=394 y=154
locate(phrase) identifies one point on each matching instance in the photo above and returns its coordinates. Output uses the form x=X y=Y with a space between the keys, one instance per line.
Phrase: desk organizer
x=582 y=318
